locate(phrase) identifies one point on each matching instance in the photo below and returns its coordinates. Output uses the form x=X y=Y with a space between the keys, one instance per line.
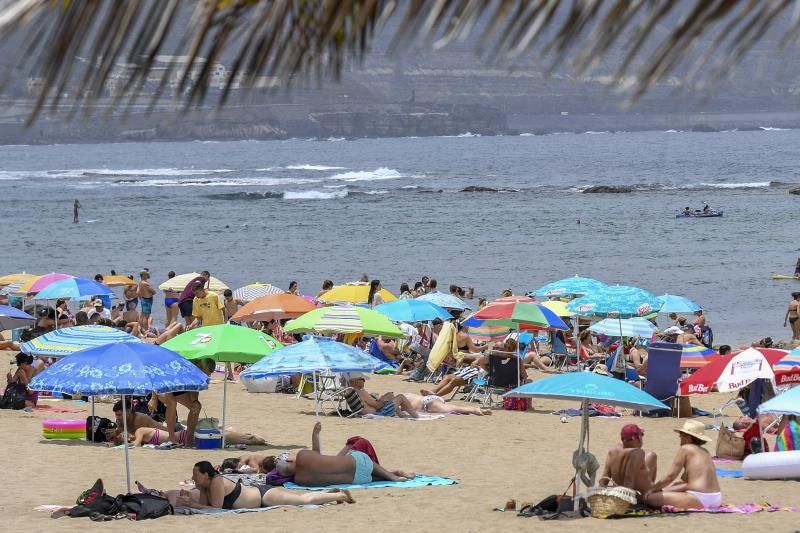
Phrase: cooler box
x=208 y=439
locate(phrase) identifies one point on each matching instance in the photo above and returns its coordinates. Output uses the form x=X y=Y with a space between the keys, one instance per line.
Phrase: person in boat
x=687 y=211
x=706 y=208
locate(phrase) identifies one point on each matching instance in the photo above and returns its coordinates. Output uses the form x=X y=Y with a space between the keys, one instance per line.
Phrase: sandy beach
x=509 y=455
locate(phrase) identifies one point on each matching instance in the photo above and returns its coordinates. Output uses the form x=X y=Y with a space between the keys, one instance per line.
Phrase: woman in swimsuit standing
x=218 y=492
x=792 y=314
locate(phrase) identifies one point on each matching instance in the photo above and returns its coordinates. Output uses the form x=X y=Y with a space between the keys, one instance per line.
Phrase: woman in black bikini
x=217 y=491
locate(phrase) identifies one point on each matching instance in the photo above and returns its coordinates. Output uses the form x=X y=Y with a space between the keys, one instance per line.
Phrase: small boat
x=796 y=278
x=699 y=214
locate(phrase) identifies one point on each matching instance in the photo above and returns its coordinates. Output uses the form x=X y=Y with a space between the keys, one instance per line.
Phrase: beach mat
x=211 y=511
x=419 y=481
x=422 y=417
x=746 y=508
x=721 y=472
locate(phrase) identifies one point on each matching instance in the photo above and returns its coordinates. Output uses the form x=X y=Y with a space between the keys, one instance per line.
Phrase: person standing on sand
x=146 y=293
x=171 y=302
x=792 y=316
x=185 y=303
x=76 y=206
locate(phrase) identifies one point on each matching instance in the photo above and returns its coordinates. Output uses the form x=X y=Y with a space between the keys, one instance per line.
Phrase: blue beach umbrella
x=671 y=303
x=67 y=341
x=448 y=301
x=413 y=310
x=11 y=318
x=787 y=403
x=314 y=354
x=631 y=327
x=574 y=286
x=126 y=368
x=73 y=289
x=586 y=387
x=619 y=301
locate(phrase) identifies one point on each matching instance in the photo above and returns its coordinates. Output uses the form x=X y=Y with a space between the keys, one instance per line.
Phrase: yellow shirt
x=208 y=309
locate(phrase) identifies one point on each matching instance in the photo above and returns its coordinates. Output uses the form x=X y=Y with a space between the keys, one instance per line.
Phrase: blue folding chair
x=663 y=371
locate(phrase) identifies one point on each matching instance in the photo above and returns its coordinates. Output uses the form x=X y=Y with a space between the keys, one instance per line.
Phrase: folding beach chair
x=503 y=375
x=375 y=351
x=340 y=398
x=663 y=371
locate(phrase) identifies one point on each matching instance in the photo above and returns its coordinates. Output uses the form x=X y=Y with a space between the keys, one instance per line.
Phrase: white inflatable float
x=267 y=384
x=772 y=465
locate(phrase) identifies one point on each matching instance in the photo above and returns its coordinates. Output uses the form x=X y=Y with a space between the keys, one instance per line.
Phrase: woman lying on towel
x=148 y=435
x=215 y=491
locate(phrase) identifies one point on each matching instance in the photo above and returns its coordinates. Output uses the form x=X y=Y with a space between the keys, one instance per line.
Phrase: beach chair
x=340 y=398
x=375 y=351
x=562 y=358
x=502 y=377
x=663 y=371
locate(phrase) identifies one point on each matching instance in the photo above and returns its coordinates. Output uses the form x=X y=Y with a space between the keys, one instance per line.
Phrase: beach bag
x=96 y=428
x=729 y=444
x=94 y=501
x=14 y=397
x=616 y=363
x=143 y=506
x=515 y=404
x=708 y=337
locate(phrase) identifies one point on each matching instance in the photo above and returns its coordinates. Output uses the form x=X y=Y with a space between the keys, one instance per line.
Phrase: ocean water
x=306 y=210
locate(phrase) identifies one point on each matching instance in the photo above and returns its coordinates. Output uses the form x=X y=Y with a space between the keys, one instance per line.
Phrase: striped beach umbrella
x=619 y=301
x=695 y=356
x=629 y=327
x=66 y=341
x=32 y=286
x=574 y=286
x=517 y=314
x=343 y=319
x=248 y=293
x=787 y=370
x=73 y=289
x=13 y=278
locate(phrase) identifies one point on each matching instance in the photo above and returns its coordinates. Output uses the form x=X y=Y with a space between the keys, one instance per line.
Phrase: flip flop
x=167 y=446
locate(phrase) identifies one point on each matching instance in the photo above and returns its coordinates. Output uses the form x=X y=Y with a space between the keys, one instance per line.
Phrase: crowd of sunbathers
x=253 y=480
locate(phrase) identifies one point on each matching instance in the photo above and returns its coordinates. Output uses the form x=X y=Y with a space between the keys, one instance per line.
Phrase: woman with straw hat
x=698 y=488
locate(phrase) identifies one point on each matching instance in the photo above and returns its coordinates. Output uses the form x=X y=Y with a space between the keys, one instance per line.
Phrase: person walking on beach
x=792 y=315
x=76 y=206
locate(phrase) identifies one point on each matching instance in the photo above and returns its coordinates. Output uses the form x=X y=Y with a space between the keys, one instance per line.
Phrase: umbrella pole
x=518 y=357
x=224 y=400
x=316 y=395
x=125 y=442
x=584 y=431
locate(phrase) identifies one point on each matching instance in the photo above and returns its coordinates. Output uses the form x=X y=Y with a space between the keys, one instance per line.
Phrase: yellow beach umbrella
x=558 y=307
x=178 y=283
x=117 y=281
x=354 y=293
x=13 y=278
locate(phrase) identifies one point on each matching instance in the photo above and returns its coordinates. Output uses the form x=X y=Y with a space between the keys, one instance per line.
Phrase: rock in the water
x=796 y=190
x=607 y=189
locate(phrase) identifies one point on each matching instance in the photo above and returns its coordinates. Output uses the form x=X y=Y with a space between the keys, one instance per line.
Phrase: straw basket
x=610 y=501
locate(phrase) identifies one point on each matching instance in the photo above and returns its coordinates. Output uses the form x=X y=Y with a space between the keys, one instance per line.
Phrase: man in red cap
x=628 y=465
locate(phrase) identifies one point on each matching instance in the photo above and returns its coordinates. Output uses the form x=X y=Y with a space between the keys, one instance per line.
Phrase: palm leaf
x=304 y=41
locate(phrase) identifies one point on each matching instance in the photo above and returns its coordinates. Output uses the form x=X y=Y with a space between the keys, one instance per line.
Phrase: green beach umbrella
x=344 y=319
x=224 y=343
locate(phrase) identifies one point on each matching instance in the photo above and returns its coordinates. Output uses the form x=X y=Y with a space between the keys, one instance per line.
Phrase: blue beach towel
x=721 y=472
x=419 y=481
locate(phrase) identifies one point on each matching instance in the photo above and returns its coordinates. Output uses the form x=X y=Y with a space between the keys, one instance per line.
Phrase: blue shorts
x=147 y=305
x=364 y=465
x=386 y=410
x=169 y=301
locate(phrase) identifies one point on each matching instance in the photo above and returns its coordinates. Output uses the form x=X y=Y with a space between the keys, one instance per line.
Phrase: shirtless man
x=171 y=301
x=386 y=405
x=687 y=336
x=131 y=293
x=231 y=304
x=698 y=488
x=792 y=316
x=478 y=368
x=311 y=468
x=136 y=420
x=249 y=462
x=628 y=465
x=76 y=206
x=146 y=293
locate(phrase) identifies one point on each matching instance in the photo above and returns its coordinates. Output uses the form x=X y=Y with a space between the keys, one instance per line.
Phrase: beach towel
x=57 y=409
x=419 y=481
x=191 y=511
x=445 y=345
x=721 y=472
x=746 y=508
x=422 y=417
x=789 y=439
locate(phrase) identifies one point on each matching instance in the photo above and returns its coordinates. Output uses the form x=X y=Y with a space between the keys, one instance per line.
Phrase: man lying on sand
x=628 y=465
x=388 y=404
x=311 y=468
x=215 y=491
x=699 y=486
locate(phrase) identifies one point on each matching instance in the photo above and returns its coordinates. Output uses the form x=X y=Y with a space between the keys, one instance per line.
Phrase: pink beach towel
x=746 y=508
x=57 y=409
